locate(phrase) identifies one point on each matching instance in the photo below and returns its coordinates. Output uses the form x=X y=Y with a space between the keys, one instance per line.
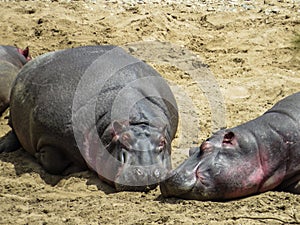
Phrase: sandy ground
x=248 y=46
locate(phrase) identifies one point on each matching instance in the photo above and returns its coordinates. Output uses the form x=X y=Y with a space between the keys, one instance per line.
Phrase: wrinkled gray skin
x=260 y=155
x=12 y=60
x=50 y=111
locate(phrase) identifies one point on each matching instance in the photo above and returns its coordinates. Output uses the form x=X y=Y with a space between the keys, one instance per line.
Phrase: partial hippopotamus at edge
x=94 y=107
x=12 y=60
x=260 y=155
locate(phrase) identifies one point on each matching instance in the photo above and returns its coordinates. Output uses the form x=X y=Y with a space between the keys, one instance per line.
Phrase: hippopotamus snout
x=183 y=179
x=176 y=184
x=140 y=178
x=140 y=174
x=143 y=156
x=141 y=170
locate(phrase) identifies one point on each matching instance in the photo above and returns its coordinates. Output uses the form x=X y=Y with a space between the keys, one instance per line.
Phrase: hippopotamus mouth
x=167 y=190
x=134 y=178
x=147 y=188
x=139 y=178
x=183 y=180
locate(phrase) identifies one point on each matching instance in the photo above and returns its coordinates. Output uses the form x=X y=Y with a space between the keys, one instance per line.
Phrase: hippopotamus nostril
x=139 y=172
x=157 y=173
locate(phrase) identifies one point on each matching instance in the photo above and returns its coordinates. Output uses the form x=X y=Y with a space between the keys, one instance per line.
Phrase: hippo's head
x=225 y=166
x=140 y=156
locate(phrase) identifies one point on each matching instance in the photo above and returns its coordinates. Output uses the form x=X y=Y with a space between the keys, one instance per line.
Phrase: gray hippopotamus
x=260 y=155
x=12 y=60
x=94 y=107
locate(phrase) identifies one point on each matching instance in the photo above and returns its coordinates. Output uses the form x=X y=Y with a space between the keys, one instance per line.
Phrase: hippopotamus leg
x=294 y=188
x=49 y=154
x=9 y=142
x=46 y=156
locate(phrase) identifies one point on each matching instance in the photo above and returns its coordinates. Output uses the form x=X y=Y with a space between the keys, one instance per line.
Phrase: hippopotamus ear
x=162 y=143
x=117 y=128
x=120 y=134
x=25 y=53
x=126 y=140
x=206 y=146
x=229 y=138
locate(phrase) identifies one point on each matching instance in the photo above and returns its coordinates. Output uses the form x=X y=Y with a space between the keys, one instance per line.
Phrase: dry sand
x=252 y=64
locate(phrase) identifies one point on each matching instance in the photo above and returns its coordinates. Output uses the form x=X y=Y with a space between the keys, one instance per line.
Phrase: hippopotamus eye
x=229 y=139
x=206 y=147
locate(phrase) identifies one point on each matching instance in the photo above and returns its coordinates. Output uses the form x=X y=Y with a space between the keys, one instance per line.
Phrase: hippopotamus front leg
x=55 y=161
x=9 y=142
